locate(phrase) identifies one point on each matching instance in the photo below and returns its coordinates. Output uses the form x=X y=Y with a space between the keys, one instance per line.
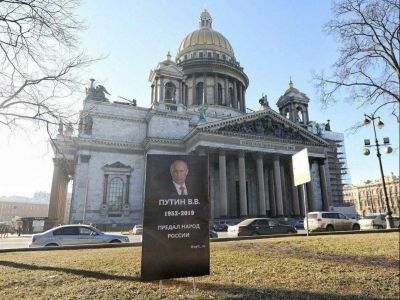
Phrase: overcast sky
x=273 y=40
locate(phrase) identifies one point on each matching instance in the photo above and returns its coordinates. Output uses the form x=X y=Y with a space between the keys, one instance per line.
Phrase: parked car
x=213 y=234
x=137 y=229
x=330 y=221
x=298 y=224
x=260 y=226
x=74 y=235
x=222 y=225
x=376 y=222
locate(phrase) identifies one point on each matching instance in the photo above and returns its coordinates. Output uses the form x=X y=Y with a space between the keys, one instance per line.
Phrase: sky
x=273 y=40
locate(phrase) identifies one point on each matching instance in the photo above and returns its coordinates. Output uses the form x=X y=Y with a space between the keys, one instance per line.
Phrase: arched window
x=115 y=194
x=199 y=93
x=300 y=115
x=286 y=113
x=219 y=94
x=230 y=96
x=170 y=91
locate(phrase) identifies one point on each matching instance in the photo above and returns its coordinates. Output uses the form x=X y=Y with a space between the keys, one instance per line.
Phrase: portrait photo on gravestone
x=175 y=222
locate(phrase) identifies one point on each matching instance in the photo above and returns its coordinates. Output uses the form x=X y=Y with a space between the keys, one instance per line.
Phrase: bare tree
x=368 y=65
x=39 y=61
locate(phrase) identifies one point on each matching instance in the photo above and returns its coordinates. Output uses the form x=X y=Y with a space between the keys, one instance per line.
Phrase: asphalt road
x=14 y=241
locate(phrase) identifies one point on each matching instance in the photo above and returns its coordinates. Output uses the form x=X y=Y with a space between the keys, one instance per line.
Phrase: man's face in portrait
x=179 y=171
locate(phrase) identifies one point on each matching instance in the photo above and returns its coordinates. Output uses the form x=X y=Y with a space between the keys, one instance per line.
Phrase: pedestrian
x=19 y=230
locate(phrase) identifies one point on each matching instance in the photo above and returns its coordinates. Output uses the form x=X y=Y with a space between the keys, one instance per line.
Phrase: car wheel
x=291 y=232
x=255 y=234
x=330 y=228
x=356 y=227
x=51 y=245
x=380 y=227
x=115 y=241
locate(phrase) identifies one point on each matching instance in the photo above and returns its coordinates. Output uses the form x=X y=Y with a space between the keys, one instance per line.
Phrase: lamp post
x=388 y=149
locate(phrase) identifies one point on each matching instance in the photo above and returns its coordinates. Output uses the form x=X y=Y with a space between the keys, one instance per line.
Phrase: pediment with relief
x=264 y=124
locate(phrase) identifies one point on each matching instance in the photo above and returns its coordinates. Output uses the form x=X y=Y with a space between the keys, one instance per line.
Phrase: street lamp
x=388 y=149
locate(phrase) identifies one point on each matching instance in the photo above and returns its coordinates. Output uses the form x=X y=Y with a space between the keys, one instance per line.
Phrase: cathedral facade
x=198 y=106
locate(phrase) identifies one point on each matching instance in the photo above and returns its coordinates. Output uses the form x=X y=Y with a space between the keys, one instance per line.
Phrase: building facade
x=369 y=197
x=198 y=106
x=9 y=211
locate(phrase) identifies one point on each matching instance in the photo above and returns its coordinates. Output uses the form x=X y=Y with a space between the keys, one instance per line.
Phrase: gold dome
x=205 y=38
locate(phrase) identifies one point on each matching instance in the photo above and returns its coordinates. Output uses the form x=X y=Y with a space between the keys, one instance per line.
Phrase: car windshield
x=370 y=217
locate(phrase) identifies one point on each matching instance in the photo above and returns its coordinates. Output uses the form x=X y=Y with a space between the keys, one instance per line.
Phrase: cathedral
x=198 y=106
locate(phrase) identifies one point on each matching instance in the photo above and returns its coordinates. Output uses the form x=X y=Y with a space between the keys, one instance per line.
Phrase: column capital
x=221 y=152
x=241 y=154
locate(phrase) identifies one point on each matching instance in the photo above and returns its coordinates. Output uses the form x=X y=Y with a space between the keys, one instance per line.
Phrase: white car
x=137 y=229
x=67 y=235
x=329 y=221
x=376 y=222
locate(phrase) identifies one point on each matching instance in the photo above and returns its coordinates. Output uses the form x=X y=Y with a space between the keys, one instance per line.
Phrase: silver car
x=74 y=235
x=329 y=221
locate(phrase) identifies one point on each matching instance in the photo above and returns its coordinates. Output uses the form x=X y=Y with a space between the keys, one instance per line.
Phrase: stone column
x=266 y=190
x=152 y=94
x=184 y=93
x=278 y=186
x=234 y=94
x=215 y=89
x=232 y=188
x=242 y=184
x=240 y=96
x=324 y=190
x=226 y=91
x=244 y=99
x=205 y=88
x=178 y=101
x=58 y=194
x=194 y=100
x=310 y=198
x=156 y=91
x=295 y=194
x=272 y=198
x=222 y=184
x=261 y=191
x=162 y=89
x=285 y=197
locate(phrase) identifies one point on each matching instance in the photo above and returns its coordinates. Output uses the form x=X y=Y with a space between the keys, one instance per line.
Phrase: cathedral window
x=300 y=115
x=286 y=113
x=219 y=94
x=209 y=54
x=170 y=91
x=201 y=54
x=116 y=188
x=115 y=194
x=199 y=93
x=223 y=57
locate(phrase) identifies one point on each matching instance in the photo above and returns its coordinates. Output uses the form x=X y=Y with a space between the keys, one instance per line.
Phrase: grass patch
x=364 y=266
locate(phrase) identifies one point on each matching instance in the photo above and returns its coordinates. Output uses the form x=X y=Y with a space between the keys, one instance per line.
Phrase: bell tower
x=294 y=105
